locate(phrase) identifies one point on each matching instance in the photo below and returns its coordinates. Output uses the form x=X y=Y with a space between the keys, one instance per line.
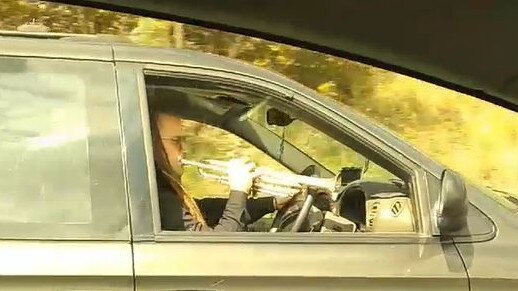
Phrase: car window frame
x=419 y=190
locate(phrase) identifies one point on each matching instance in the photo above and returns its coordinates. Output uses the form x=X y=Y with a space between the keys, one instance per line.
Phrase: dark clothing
x=213 y=208
x=221 y=214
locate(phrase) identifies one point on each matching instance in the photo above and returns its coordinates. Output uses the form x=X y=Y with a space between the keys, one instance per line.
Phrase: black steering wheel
x=294 y=217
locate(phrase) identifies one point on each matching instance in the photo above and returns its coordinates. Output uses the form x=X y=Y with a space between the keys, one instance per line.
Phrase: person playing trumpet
x=179 y=210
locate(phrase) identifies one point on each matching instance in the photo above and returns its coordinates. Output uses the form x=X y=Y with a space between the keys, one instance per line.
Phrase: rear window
x=60 y=159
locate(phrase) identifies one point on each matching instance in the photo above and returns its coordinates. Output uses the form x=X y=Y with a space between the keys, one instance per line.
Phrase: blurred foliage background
x=478 y=139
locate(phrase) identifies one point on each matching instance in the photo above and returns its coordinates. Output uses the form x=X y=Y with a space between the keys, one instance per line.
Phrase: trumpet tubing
x=267 y=181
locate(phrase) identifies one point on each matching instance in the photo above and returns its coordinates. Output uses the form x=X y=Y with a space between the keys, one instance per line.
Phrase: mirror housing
x=278 y=118
x=452 y=205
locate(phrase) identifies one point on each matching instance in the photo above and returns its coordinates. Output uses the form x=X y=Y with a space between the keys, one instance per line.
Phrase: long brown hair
x=164 y=166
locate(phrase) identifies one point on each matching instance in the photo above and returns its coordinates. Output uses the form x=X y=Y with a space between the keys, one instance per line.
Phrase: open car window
x=223 y=119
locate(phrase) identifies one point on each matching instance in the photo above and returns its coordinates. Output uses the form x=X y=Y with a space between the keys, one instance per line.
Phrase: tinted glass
x=61 y=167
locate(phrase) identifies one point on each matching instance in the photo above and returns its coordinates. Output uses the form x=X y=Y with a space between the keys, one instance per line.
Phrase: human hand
x=240 y=175
x=280 y=202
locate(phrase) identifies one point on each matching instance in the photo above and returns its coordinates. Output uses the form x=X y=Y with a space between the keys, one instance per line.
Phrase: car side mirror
x=277 y=117
x=452 y=205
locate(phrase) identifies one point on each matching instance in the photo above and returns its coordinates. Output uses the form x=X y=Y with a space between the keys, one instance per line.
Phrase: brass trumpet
x=266 y=182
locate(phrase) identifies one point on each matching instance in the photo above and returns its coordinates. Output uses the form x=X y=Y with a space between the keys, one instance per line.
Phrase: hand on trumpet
x=280 y=202
x=240 y=175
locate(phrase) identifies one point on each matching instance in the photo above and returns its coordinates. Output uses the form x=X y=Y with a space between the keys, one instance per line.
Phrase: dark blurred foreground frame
x=467 y=45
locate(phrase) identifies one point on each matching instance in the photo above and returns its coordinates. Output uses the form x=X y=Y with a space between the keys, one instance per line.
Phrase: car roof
x=114 y=48
x=468 y=46
x=26 y=45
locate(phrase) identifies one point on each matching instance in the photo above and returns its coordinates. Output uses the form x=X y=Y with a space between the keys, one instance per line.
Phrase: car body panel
x=65 y=265
x=297 y=266
x=493 y=264
x=45 y=48
x=135 y=147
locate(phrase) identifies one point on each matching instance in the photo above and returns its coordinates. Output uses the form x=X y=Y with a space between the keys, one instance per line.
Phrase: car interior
x=357 y=203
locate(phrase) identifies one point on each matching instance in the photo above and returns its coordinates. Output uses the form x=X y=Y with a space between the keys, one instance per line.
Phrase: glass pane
x=61 y=165
x=328 y=152
x=44 y=148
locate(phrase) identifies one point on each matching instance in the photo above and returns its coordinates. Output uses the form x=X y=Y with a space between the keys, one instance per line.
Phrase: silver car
x=79 y=193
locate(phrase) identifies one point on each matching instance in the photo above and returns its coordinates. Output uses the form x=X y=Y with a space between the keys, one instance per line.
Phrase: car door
x=167 y=260
x=63 y=219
